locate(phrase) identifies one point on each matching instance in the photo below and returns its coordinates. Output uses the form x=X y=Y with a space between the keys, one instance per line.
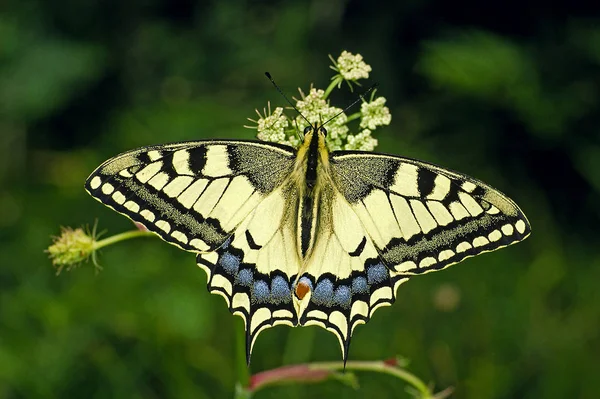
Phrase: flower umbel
x=271 y=127
x=361 y=141
x=351 y=66
x=315 y=108
x=374 y=114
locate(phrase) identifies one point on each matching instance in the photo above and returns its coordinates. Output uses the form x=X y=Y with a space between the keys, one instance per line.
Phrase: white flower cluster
x=352 y=67
x=315 y=108
x=271 y=126
x=362 y=141
x=374 y=114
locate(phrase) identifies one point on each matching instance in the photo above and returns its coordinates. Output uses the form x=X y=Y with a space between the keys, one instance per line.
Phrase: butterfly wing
x=256 y=267
x=229 y=202
x=422 y=217
x=348 y=280
x=191 y=194
x=391 y=218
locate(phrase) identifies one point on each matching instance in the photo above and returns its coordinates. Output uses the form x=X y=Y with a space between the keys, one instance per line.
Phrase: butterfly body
x=306 y=236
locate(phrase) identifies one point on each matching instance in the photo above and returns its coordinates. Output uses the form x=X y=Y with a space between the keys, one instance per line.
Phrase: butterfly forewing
x=191 y=194
x=422 y=217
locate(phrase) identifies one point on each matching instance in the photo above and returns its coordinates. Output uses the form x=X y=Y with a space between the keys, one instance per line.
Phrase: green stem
x=121 y=237
x=317 y=372
x=335 y=82
x=380 y=367
x=352 y=117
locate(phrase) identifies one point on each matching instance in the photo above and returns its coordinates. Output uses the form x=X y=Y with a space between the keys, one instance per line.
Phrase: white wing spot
x=159 y=180
x=163 y=225
x=520 y=225
x=445 y=255
x=259 y=317
x=463 y=246
x=189 y=197
x=177 y=185
x=118 y=197
x=384 y=293
x=441 y=188
x=468 y=186
x=458 y=211
x=181 y=162
x=125 y=173
x=470 y=204
x=199 y=244
x=148 y=215
x=428 y=261
x=493 y=210
x=282 y=314
x=95 y=182
x=440 y=213
x=220 y=281
x=359 y=308
x=508 y=230
x=210 y=257
x=217 y=160
x=179 y=236
x=405 y=266
x=108 y=188
x=495 y=235
x=241 y=300
x=317 y=314
x=154 y=155
x=132 y=206
x=150 y=170
x=338 y=319
x=210 y=196
x=408 y=224
x=480 y=242
x=405 y=182
x=424 y=218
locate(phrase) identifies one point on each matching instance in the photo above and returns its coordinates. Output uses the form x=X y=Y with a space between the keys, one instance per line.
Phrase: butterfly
x=306 y=236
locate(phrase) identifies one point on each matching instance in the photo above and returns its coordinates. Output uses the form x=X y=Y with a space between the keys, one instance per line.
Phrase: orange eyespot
x=302 y=289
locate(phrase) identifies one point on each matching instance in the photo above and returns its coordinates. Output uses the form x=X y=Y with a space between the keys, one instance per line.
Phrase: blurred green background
x=507 y=92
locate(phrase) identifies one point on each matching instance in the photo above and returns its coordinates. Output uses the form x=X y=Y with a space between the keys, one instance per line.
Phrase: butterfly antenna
x=268 y=75
x=360 y=97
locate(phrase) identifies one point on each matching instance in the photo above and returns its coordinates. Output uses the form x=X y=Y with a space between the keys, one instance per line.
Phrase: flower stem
x=121 y=237
x=352 y=117
x=332 y=85
x=317 y=372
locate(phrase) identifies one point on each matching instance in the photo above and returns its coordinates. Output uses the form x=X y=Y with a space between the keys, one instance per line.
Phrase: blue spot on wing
x=244 y=278
x=260 y=291
x=229 y=262
x=359 y=285
x=377 y=273
x=280 y=290
x=323 y=293
x=342 y=296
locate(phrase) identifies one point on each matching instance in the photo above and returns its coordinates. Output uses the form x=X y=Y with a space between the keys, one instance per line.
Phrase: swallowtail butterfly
x=306 y=236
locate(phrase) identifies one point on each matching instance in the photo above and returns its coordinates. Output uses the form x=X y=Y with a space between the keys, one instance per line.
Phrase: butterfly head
x=310 y=130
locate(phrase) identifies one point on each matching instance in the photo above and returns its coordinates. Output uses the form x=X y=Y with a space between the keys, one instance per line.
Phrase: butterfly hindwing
x=255 y=269
x=422 y=217
x=348 y=280
x=191 y=194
